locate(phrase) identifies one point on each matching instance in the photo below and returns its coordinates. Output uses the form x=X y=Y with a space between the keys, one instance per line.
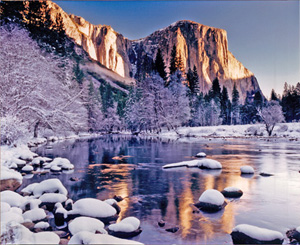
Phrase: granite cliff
x=203 y=46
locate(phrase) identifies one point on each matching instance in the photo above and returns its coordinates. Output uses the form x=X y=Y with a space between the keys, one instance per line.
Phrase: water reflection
x=152 y=193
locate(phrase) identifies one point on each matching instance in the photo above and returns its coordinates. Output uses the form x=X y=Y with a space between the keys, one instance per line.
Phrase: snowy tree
x=111 y=121
x=270 y=115
x=34 y=88
x=181 y=109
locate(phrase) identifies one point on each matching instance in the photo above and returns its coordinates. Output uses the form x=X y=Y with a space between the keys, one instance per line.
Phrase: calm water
x=153 y=193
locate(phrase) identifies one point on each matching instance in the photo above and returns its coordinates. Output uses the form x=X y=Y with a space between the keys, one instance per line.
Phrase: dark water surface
x=153 y=193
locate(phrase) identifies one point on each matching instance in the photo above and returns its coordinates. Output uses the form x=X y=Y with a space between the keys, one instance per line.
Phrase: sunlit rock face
x=203 y=46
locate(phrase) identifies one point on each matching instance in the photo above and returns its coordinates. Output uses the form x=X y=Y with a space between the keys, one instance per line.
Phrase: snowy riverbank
x=290 y=131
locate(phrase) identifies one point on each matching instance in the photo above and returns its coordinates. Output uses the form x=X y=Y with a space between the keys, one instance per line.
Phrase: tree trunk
x=35 y=131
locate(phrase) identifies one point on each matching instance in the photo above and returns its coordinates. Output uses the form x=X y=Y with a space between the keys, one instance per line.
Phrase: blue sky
x=263 y=35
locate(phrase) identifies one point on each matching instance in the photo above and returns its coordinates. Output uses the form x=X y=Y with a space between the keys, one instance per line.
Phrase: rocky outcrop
x=203 y=46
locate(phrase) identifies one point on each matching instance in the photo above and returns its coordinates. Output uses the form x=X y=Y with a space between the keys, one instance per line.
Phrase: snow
x=53 y=197
x=34 y=203
x=45 y=237
x=86 y=224
x=24 y=153
x=29 y=189
x=203 y=163
x=34 y=214
x=258 y=233
x=60 y=209
x=298 y=229
x=12 y=198
x=111 y=201
x=85 y=237
x=93 y=208
x=42 y=225
x=9 y=216
x=128 y=224
x=212 y=196
x=59 y=162
x=27 y=168
x=18 y=234
x=232 y=189
x=55 y=168
x=247 y=170
x=49 y=186
x=39 y=160
x=201 y=154
x=291 y=130
x=5 y=207
x=7 y=173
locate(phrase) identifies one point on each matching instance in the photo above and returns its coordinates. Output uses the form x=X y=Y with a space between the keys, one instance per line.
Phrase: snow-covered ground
x=283 y=130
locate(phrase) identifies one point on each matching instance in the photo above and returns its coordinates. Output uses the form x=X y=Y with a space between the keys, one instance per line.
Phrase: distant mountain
x=203 y=46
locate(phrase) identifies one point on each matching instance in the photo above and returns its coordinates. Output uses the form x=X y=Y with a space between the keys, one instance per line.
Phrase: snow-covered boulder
x=49 y=186
x=201 y=154
x=86 y=224
x=128 y=227
x=12 y=198
x=95 y=208
x=22 y=152
x=85 y=237
x=27 y=169
x=247 y=170
x=9 y=179
x=34 y=215
x=28 y=190
x=294 y=235
x=30 y=203
x=60 y=214
x=10 y=216
x=42 y=225
x=112 y=202
x=40 y=160
x=4 y=207
x=62 y=163
x=232 y=192
x=55 y=168
x=50 y=199
x=202 y=163
x=209 y=164
x=211 y=201
x=249 y=234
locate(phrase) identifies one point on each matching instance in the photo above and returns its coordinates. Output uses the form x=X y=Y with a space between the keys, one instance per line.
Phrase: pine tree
x=160 y=65
x=258 y=100
x=196 y=81
x=235 y=105
x=190 y=80
x=274 y=96
x=225 y=107
x=173 y=60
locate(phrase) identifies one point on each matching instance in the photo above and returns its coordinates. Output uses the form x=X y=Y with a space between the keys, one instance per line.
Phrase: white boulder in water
x=95 y=208
x=211 y=201
x=201 y=154
x=202 y=163
x=249 y=234
x=86 y=224
x=127 y=227
x=49 y=186
x=232 y=192
x=247 y=170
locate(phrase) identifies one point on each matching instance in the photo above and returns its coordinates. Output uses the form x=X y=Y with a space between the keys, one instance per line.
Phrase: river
x=153 y=194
